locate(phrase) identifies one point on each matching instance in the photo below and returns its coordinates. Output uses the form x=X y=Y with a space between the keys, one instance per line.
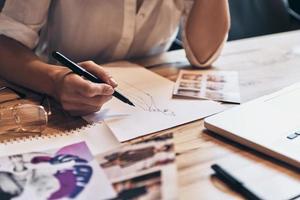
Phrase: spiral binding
x=48 y=136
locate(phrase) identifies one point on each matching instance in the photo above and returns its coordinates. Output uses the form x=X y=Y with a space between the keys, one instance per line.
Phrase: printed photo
x=214 y=95
x=55 y=174
x=189 y=93
x=191 y=85
x=216 y=78
x=167 y=137
x=191 y=76
x=213 y=85
x=137 y=158
x=147 y=186
x=133 y=169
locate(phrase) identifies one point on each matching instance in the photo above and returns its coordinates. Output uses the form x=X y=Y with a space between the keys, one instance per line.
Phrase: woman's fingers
x=99 y=72
x=79 y=96
x=87 y=88
x=96 y=89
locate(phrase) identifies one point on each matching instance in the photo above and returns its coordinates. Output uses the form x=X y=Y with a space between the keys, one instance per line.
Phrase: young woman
x=101 y=31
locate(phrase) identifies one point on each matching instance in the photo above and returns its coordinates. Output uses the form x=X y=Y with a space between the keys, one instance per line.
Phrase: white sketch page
x=154 y=110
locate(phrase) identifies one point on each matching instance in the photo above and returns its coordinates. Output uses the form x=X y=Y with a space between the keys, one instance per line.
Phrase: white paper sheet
x=155 y=109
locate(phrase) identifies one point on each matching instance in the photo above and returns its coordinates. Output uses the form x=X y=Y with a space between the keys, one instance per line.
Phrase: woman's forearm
x=21 y=66
x=207 y=26
x=76 y=95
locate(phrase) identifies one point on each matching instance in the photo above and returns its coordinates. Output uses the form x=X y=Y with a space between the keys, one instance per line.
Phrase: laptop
x=269 y=124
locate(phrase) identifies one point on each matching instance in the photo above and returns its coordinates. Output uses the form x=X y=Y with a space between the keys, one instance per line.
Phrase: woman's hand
x=76 y=95
x=79 y=96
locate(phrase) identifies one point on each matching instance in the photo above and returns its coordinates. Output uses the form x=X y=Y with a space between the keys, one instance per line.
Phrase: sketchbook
x=154 y=110
x=97 y=136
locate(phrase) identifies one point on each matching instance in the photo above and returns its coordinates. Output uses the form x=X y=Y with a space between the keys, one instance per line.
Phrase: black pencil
x=82 y=72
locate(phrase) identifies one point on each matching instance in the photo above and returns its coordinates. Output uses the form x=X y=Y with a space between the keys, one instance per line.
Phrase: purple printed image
x=46 y=175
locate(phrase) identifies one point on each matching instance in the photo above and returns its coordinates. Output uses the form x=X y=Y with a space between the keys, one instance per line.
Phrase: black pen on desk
x=233 y=183
x=82 y=72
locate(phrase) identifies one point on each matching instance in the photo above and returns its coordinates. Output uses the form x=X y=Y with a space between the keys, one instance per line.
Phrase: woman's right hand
x=19 y=65
x=79 y=96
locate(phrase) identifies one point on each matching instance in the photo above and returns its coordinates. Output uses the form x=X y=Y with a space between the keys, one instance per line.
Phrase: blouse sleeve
x=189 y=53
x=22 y=20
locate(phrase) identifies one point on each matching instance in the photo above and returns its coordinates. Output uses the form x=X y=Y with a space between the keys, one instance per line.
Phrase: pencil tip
x=130 y=103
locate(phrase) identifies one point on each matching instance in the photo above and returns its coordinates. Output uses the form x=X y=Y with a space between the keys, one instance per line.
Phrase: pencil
x=82 y=72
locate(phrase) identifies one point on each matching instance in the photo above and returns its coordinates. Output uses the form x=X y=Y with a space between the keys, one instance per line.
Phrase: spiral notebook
x=97 y=136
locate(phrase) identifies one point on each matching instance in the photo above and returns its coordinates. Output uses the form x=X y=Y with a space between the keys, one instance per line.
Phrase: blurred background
x=259 y=17
x=251 y=18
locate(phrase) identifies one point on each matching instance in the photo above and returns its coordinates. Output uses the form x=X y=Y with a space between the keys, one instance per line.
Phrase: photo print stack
x=214 y=85
x=143 y=170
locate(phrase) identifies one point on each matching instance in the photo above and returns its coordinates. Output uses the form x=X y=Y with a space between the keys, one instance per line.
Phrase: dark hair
x=295 y=5
x=2 y=2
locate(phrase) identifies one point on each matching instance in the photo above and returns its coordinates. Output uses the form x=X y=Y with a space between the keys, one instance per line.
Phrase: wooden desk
x=265 y=64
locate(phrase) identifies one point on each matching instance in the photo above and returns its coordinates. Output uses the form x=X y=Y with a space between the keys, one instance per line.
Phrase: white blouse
x=99 y=30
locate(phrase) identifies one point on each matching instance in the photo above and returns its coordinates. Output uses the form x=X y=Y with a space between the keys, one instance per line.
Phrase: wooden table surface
x=265 y=64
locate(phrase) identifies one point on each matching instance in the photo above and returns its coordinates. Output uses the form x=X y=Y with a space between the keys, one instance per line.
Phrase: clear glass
x=23 y=118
